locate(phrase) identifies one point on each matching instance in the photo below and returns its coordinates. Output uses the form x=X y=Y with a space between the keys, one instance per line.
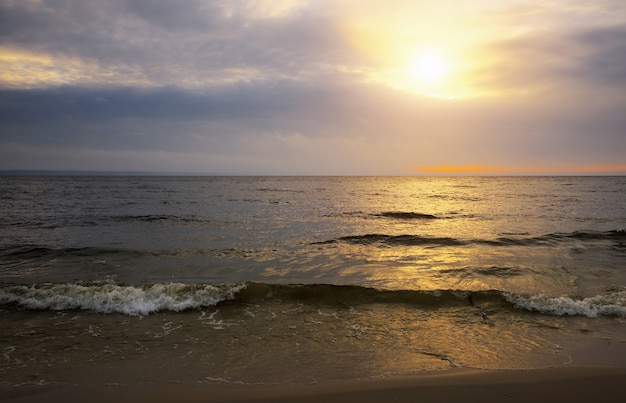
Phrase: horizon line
x=430 y=172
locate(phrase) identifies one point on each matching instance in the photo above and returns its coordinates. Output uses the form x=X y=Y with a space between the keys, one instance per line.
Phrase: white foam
x=111 y=298
x=613 y=304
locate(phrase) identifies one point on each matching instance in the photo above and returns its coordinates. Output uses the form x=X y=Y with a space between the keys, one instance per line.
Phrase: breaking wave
x=112 y=298
x=613 y=304
x=176 y=297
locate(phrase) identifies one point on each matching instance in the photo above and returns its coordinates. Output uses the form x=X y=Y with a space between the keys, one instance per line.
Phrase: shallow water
x=298 y=339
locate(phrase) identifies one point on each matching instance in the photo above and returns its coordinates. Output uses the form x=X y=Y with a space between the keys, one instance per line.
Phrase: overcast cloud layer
x=312 y=87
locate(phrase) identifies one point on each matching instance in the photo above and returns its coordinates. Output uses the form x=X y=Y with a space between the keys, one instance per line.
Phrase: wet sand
x=597 y=373
x=572 y=384
x=563 y=384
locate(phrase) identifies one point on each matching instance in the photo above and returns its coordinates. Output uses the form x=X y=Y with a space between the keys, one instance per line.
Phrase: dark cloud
x=65 y=26
x=603 y=56
x=187 y=15
x=177 y=119
x=547 y=59
x=103 y=117
x=171 y=42
x=238 y=101
x=49 y=105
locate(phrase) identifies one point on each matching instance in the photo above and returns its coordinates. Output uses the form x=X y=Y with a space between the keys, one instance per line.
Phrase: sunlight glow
x=430 y=72
x=441 y=57
x=429 y=68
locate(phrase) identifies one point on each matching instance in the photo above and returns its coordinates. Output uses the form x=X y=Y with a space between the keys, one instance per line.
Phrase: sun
x=438 y=71
x=429 y=68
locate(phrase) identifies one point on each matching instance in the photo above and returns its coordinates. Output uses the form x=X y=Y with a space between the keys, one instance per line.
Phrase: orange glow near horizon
x=493 y=169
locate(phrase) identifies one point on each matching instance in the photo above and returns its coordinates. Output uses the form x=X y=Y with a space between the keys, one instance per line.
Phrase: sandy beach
x=597 y=373
x=572 y=384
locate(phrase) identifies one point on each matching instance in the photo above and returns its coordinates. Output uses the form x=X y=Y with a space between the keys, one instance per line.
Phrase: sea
x=297 y=280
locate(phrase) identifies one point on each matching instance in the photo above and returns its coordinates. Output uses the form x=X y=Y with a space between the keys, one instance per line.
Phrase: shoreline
x=597 y=372
x=571 y=383
x=568 y=383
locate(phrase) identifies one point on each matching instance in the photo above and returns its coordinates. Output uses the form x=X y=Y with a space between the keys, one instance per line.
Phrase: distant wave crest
x=406 y=215
x=150 y=218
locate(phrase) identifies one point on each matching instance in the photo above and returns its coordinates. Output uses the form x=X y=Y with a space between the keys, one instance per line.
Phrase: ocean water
x=265 y=280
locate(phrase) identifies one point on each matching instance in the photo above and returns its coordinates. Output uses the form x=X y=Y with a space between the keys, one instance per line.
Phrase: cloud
x=603 y=56
x=288 y=86
x=155 y=43
x=593 y=59
x=297 y=125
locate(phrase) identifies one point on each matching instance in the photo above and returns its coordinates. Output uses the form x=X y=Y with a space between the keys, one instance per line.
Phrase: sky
x=319 y=87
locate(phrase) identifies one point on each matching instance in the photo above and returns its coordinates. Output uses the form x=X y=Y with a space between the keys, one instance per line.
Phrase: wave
x=394 y=215
x=112 y=298
x=27 y=251
x=93 y=221
x=406 y=215
x=618 y=236
x=612 y=304
x=161 y=218
x=49 y=224
x=280 y=190
x=176 y=297
x=395 y=240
